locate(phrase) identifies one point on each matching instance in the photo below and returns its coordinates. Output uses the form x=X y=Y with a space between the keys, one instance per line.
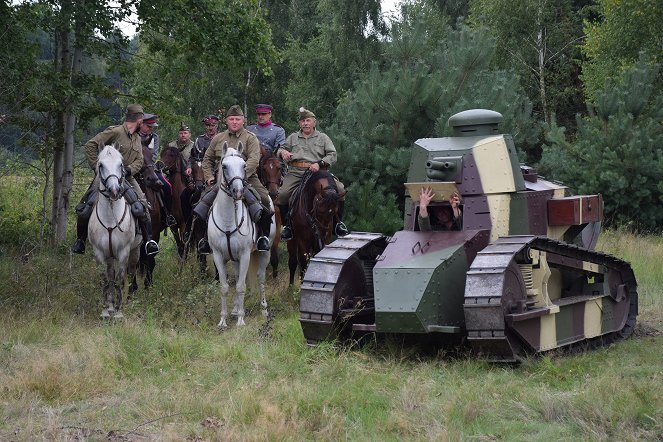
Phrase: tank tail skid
x=528 y=294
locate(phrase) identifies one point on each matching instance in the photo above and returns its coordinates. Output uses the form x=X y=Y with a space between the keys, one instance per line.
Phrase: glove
x=127 y=171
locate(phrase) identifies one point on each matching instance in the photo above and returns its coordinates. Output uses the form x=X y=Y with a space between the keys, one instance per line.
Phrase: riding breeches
x=292 y=180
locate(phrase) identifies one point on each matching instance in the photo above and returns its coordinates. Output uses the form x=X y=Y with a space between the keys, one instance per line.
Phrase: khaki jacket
x=318 y=146
x=185 y=149
x=128 y=145
x=250 y=151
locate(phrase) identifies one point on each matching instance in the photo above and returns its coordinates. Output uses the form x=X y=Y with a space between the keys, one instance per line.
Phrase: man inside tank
x=444 y=217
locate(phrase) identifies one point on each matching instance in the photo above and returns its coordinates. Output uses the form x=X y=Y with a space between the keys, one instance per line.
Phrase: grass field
x=166 y=372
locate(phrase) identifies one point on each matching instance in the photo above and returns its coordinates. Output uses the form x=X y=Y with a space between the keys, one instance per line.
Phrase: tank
x=520 y=277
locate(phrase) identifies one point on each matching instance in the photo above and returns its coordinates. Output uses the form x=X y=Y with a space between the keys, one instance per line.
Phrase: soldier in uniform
x=201 y=144
x=269 y=134
x=127 y=140
x=248 y=146
x=184 y=145
x=148 y=137
x=305 y=150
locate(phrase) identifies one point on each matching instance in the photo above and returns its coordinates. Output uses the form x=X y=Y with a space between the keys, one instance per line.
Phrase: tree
x=624 y=30
x=617 y=150
x=431 y=71
x=539 y=38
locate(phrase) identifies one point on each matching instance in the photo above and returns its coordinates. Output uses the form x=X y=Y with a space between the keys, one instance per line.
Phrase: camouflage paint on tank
x=419 y=281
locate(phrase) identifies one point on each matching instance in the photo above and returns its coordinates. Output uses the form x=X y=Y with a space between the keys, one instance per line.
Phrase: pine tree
x=617 y=150
x=431 y=71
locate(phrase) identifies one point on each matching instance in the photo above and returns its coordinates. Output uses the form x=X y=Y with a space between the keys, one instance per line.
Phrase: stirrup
x=286 y=233
x=151 y=247
x=203 y=247
x=341 y=229
x=170 y=220
x=262 y=245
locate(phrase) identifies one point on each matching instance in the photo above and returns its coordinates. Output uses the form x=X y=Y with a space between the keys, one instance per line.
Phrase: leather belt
x=304 y=164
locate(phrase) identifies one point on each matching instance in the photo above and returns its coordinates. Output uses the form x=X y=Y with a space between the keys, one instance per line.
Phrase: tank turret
x=518 y=276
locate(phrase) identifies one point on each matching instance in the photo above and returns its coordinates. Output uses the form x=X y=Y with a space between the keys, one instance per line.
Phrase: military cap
x=150 y=120
x=184 y=127
x=305 y=113
x=263 y=108
x=135 y=109
x=235 y=111
x=211 y=119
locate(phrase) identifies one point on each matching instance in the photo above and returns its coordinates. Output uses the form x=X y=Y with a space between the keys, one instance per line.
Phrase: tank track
x=506 y=325
x=337 y=290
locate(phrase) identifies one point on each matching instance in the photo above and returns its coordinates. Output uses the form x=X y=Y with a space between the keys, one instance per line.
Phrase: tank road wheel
x=337 y=290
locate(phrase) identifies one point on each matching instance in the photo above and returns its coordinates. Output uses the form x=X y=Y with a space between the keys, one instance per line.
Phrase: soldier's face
x=307 y=125
x=184 y=135
x=145 y=129
x=235 y=123
x=211 y=128
x=264 y=117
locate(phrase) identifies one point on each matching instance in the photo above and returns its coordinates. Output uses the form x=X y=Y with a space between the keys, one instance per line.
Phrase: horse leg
x=223 y=283
x=303 y=264
x=119 y=287
x=240 y=289
x=292 y=260
x=109 y=286
x=262 y=272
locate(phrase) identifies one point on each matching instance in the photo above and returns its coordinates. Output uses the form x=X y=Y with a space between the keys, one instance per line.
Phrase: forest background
x=578 y=83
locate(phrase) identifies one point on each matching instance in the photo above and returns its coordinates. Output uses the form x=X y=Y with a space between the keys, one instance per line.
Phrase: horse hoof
x=222 y=324
x=240 y=321
x=265 y=313
x=118 y=315
x=105 y=314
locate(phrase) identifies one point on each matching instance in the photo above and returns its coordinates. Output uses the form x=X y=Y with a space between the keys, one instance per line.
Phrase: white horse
x=231 y=233
x=112 y=231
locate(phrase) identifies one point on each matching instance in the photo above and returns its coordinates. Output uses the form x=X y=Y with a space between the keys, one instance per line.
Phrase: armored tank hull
x=521 y=276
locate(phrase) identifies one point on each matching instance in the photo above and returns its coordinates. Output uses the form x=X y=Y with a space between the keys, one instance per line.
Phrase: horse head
x=148 y=171
x=110 y=171
x=270 y=171
x=232 y=172
x=325 y=202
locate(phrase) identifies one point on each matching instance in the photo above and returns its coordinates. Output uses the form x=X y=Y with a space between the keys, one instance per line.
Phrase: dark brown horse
x=270 y=175
x=174 y=169
x=314 y=207
x=151 y=185
x=195 y=227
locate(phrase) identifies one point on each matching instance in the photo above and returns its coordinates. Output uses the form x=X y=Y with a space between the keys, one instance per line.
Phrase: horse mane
x=329 y=193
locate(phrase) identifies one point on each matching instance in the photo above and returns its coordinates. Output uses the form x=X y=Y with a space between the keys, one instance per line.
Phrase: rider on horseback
x=305 y=150
x=127 y=141
x=237 y=137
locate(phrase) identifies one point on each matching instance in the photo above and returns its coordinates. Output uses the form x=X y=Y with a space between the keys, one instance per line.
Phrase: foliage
x=625 y=30
x=617 y=150
x=427 y=77
x=540 y=40
x=325 y=67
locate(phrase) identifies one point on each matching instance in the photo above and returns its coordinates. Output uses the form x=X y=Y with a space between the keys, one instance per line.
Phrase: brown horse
x=314 y=207
x=195 y=227
x=174 y=169
x=271 y=176
x=151 y=186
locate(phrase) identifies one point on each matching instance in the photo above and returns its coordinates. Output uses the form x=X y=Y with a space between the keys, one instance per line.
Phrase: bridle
x=262 y=176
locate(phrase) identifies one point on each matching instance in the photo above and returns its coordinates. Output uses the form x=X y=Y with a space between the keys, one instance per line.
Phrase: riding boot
x=286 y=230
x=203 y=246
x=341 y=229
x=264 y=225
x=81 y=233
x=151 y=246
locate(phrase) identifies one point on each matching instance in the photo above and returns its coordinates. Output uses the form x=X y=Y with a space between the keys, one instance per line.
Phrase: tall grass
x=167 y=373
